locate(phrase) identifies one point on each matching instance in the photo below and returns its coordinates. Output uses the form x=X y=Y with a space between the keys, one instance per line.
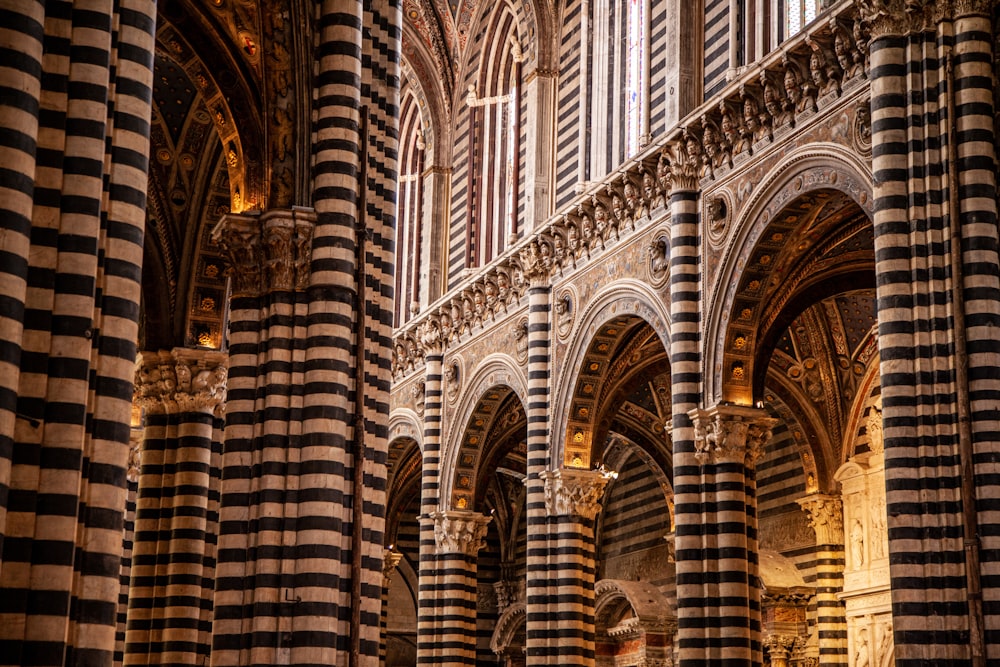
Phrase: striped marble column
x=390 y=561
x=173 y=550
x=728 y=441
x=262 y=460
x=75 y=94
x=458 y=537
x=429 y=604
x=826 y=517
x=973 y=82
x=128 y=534
x=938 y=309
x=542 y=629
x=572 y=501
x=694 y=612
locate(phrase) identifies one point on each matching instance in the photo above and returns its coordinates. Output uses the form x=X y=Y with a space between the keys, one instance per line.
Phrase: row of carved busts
x=181 y=380
x=788 y=86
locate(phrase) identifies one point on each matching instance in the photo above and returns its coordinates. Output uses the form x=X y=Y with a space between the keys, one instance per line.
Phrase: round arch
x=625 y=298
x=808 y=171
x=495 y=372
x=510 y=623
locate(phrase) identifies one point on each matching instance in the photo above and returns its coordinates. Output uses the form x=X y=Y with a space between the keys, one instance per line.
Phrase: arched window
x=619 y=67
x=408 y=223
x=798 y=14
x=495 y=127
x=636 y=80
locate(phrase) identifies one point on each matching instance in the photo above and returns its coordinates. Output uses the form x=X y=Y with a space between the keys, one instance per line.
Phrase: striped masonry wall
x=573 y=70
x=716 y=45
x=169 y=604
x=75 y=92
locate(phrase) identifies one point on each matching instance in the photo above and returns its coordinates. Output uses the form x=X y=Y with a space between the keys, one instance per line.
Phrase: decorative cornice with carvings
x=575 y=493
x=181 y=380
x=789 y=88
x=459 y=532
x=731 y=433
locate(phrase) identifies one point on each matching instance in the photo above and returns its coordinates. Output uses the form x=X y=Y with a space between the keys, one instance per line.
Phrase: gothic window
x=494 y=104
x=620 y=83
x=637 y=84
x=408 y=224
x=798 y=14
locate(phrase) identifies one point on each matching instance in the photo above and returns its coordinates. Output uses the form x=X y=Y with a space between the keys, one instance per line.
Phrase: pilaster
x=825 y=516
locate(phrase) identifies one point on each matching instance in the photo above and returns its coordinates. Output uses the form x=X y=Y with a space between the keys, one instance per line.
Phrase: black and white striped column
x=390 y=561
x=938 y=309
x=728 y=441
x=542 y=632
x=173 y=552
x=572 y=500
x=75 y=104
x=694 y=615
x=458 y=536
x=826 y=517
x=430 y=604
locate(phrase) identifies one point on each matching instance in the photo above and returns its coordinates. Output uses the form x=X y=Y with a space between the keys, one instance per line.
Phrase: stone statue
x=857 y=545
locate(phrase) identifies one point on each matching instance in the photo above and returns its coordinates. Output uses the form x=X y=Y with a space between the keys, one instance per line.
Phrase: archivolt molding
x=809 y=169
x=404 y=423
x=626 y=297
x=496 y=371
x=507 y=627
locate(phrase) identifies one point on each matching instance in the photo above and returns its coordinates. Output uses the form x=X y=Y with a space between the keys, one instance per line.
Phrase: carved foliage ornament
x=181 y=380
x=826 y=516
x=731 y=433
x=279 y=241
x=458 y=532
x=574 y=492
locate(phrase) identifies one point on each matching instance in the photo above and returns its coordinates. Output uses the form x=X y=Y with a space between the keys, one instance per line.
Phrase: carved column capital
x=900 y=17
x=731 y=433
x=685 y=156
x=536 y=263
x=181 y=380
x=268 y=251
x=570 y=492
x=429 y=335
x=459 y=531
x=238 y=235
x=826 y=517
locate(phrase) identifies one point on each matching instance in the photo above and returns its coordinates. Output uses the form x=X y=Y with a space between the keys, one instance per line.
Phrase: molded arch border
x=495 y=371
x=405 y=423
x=820 y=166
x=645 y=600
x=626 y=297
x=507 y=626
